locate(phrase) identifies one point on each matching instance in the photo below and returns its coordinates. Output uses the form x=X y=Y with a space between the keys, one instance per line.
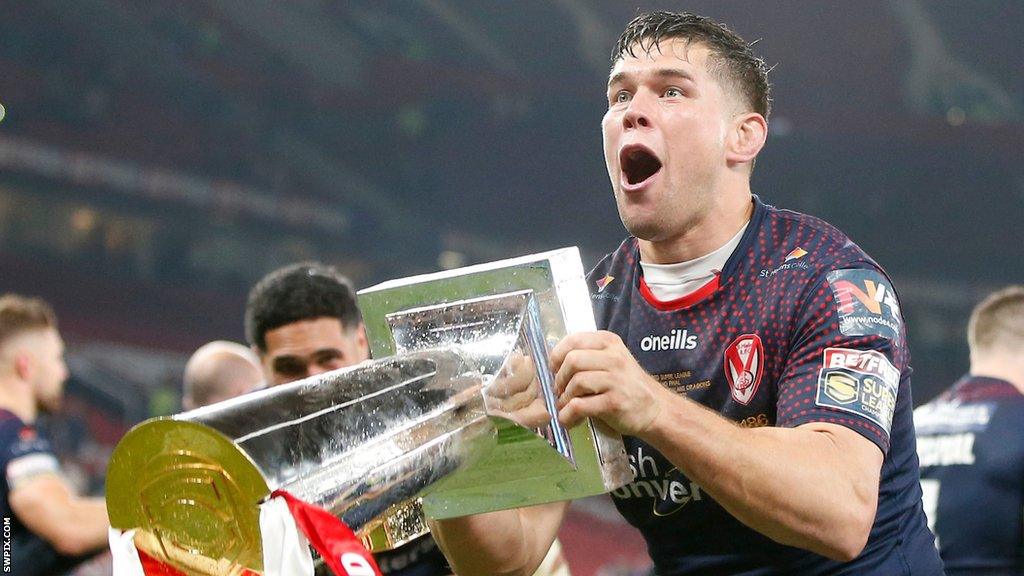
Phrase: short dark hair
x=998 y=321
x=733 y=62
x=20 y=314
x=297 y=292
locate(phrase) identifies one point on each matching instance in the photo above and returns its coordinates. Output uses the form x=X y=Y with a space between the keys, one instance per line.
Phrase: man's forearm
x=504 y=543
x=800 y=487
x=49 y=509
x=85 y=526
x=92 y=512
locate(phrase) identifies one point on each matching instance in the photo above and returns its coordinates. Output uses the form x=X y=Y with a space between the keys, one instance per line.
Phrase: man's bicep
x=857 y=460
x=863 y=454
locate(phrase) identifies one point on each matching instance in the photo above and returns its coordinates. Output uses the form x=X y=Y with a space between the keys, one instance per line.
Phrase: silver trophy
x=456 y=417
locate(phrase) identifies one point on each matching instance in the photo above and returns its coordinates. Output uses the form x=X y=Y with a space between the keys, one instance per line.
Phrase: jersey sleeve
x=848 y=356
x=25 y=456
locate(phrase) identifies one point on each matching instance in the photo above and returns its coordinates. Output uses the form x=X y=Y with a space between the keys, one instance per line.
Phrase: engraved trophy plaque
x=456 y=416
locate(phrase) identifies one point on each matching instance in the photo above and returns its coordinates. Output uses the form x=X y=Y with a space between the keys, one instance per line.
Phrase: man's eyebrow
x=622 y=75
x=673 y=73
x=617 y=78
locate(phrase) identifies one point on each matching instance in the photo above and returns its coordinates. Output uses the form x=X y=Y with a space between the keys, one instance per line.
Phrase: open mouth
x=638 y=163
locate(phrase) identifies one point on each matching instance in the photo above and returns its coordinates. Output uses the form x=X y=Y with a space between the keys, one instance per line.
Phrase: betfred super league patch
x=861 y=382
x=866 y=303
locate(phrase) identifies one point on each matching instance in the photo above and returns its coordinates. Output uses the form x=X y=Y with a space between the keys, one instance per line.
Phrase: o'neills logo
x=675 y=340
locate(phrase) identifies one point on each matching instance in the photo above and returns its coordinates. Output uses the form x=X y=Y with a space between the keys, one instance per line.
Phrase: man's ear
x=24 y=365
x=362 y=341
x=261 y=361
x=746 y=137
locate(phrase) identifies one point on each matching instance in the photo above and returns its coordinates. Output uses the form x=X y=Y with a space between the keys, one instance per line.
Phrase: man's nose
x=315 y=369
x=637 y=115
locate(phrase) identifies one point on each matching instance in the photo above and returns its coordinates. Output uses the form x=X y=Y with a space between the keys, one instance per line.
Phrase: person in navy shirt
x=971 y=446
x=753 y=358
x=49 y=528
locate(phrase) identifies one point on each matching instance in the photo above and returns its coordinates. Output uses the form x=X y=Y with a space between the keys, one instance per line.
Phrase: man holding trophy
x=754 y=358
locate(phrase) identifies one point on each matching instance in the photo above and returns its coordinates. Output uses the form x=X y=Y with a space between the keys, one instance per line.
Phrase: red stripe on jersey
x=686 y=301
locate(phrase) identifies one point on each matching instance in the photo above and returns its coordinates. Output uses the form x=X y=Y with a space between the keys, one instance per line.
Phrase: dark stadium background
x=158 y=157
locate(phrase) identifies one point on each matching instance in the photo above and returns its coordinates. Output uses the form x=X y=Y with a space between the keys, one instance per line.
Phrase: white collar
x=671 y=281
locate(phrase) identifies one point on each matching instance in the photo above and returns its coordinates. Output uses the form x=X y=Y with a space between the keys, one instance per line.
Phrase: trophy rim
x=165 y=469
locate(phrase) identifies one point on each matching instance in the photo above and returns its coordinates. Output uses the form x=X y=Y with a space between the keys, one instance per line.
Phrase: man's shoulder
x=624 y=255
x=972 y=405
x=19 y=439
x=12 y=431
x=1009 y=412
x=810 y=237
x=800 y=254
x=611 y=282
x=807 y=266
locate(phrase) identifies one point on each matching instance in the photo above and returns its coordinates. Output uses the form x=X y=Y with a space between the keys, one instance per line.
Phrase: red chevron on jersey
x=797 y=253
x=744 y=363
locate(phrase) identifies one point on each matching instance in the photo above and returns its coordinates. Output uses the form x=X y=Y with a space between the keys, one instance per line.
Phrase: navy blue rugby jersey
x=971 y=445
x=24 y=453
x=800 y=326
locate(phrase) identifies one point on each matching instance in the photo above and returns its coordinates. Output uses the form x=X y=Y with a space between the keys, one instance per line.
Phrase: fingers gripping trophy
x=457 y=416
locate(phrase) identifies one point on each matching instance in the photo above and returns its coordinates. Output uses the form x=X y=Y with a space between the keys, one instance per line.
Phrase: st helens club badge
x=744 y=361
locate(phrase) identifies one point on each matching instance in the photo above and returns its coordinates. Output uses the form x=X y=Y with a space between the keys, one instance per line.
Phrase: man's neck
x=716 y=228
x=1011 y=370
x=15 y=398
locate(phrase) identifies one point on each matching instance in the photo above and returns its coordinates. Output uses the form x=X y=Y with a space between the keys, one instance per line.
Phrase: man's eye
x=290 y=367
x=673 y=93
x=621 y=96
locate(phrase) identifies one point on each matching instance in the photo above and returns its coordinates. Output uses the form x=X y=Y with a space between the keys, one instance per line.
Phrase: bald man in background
x=218 y=371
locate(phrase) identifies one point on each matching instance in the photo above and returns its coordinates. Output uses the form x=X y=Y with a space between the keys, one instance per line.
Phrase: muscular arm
x=813 y=487
x=73 y=525
x=504 y=543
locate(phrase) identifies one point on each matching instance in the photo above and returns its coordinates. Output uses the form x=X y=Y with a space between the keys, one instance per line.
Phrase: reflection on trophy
x=456 y=416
